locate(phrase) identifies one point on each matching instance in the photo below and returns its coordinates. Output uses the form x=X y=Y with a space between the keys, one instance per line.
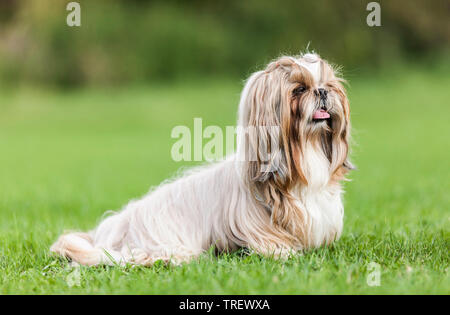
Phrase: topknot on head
x=311 y=57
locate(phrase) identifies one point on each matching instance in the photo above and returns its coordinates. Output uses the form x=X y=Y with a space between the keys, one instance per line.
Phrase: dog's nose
x=323 y=94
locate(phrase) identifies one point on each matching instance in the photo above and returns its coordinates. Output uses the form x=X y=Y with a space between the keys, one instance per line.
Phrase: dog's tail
x=79 y=247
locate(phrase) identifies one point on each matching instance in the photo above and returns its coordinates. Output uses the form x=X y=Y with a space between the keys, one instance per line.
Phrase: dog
x=279 y=194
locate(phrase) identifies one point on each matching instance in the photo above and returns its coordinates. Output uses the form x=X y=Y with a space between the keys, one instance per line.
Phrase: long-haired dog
x=278 y=194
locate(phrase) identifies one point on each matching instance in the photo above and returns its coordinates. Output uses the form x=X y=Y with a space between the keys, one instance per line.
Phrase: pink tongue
x=321 y=114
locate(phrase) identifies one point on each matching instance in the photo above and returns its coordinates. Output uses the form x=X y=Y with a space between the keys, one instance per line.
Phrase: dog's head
x=294 y=104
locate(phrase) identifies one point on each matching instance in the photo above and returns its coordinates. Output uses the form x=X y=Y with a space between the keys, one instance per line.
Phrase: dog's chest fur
x=320 y=200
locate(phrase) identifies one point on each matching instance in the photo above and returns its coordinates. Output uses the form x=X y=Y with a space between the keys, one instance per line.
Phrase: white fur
x=183 y=218
x=324 y=208
x=312 y=63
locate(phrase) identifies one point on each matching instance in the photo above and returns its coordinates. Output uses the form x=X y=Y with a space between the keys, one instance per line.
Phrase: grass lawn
x=67 y=156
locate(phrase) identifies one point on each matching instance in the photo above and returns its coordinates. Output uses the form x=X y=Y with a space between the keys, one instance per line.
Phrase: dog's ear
x=340 y=164
x=260 y=135
x=264 y=145
x=264 y=138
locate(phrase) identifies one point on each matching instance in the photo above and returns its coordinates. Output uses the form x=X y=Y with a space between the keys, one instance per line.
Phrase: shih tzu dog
x=278 y=194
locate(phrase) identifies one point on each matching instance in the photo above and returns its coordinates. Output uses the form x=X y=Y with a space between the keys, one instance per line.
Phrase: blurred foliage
x=125 y=41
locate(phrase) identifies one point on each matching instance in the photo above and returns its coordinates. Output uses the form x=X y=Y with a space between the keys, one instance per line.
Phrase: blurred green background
x=86 y=115
x=124 y=41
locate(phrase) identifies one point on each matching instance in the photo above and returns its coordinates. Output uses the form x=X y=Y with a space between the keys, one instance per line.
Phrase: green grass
x=66 y=157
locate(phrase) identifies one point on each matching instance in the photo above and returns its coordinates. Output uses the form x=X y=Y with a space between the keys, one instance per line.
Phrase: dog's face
x=320 y=114
x=305 y=98
x=318 y=98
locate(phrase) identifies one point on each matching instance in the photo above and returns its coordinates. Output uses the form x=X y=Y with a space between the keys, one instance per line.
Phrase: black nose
x=323 y=94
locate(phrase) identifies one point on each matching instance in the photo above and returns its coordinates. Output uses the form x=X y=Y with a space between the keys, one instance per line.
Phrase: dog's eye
x=299 y=90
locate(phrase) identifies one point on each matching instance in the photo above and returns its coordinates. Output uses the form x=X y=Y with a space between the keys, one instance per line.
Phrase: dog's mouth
x=320 y=115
